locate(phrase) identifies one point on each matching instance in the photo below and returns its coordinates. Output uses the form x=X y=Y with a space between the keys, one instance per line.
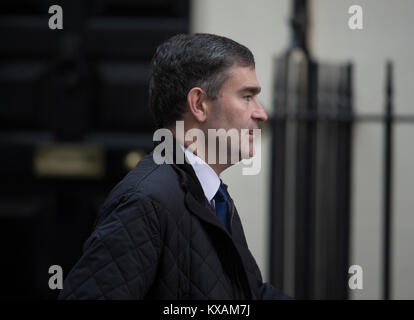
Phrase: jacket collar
x=208 y=178
x=195 y=199
x=197 y=203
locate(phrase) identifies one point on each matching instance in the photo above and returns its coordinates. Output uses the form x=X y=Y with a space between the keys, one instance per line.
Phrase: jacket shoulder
x=156 y=182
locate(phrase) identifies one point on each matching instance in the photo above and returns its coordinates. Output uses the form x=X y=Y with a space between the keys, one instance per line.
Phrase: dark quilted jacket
x=157 y=237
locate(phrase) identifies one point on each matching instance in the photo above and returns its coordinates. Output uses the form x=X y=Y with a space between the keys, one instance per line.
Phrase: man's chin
x=242 y=153
x=247 y=153
x=246 y=156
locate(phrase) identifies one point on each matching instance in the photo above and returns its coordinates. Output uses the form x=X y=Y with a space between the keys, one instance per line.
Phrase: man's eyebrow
x=252 y=90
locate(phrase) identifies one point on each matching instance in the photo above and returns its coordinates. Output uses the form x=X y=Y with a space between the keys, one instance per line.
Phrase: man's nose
x=259 y=113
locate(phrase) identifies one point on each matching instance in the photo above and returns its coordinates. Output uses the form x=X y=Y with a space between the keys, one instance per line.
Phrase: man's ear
x=197 y=106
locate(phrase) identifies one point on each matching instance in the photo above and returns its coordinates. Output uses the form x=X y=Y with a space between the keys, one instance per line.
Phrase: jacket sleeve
x=265 y=290
x=269 y=292
x=120 y=257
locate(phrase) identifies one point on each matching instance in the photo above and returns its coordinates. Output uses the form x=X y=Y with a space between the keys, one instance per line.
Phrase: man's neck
x=217 y=167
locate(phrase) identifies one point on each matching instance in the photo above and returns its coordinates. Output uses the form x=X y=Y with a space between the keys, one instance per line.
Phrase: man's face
x=237 y=107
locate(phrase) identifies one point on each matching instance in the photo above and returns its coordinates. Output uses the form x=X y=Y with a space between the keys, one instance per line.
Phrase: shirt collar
x=209 y=180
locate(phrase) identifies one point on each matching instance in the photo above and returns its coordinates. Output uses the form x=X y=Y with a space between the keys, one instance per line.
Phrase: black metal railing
x=312 y=126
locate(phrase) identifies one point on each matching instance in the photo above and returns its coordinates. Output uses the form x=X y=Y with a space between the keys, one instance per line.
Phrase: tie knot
x=221 y=195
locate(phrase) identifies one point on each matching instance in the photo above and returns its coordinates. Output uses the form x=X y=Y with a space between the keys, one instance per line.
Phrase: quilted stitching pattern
x=148 y=245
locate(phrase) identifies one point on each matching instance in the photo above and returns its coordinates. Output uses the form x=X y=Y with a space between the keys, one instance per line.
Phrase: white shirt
x=209 y=180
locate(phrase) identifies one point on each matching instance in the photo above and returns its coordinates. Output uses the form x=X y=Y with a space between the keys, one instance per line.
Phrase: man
x=171 y=230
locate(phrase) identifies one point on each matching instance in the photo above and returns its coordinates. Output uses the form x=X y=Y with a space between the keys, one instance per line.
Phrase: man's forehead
x=244 y=78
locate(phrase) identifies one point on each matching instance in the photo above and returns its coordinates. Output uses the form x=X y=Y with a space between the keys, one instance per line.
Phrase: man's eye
x=247 y=98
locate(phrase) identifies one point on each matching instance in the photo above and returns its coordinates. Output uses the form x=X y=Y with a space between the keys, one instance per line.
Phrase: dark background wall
x=73 y=120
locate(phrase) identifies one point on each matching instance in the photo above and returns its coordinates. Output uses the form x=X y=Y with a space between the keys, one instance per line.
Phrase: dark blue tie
x=220 y=201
